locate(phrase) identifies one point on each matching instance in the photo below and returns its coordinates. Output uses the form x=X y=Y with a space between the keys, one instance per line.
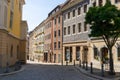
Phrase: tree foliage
x=105 y=22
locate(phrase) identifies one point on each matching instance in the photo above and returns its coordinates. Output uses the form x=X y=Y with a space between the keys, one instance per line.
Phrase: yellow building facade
x=11 y=29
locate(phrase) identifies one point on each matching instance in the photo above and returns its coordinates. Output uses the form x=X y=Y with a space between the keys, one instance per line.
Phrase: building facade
x=66 y=37
x=56 y=18
x=98 y=47
x=77 y=45
x=75 y=31
x=22 y=56
x=31 y=46
x=10 y=32
x=39 y=42
x=48 y=40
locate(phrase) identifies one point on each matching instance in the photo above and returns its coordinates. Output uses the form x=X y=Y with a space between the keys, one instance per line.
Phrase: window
x=58 y=32
x=20 y=6
x=85 y=8
x=55 y=21
x=118 y=53
x=68 y=15
x=79 y=10
x=55 y=34
x=59 y=20
x=11 y=19
x=85 y=26
x=64 y=16
x=95 y=53
x=73 y=29
x=5 y=16
x=68 y=55
x=55 y=45
x=77 y=53
x=65 y=31
x=100 y=2
x=68 y=29
x=94 y=4
x=79 y=27
x=12 y=4
x=116 y=1
x=73 y=13
x=11 y=51
x=59 y=44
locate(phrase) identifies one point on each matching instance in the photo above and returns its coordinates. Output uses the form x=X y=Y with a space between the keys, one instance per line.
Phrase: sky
x=35 y=11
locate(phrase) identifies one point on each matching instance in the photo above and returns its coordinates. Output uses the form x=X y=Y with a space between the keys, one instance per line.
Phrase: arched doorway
x=104 y=55
x=85 y=54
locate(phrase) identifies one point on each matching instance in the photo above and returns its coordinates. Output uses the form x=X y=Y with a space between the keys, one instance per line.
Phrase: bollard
x=62 y=62
x=102 y=70
x=79 y=63
x=74 y=62
x=91 y=68
x=83 y=65
x=66 y=63
x=86 y=65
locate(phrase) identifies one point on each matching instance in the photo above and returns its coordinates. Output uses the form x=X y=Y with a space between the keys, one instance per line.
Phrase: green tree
x=105 y=23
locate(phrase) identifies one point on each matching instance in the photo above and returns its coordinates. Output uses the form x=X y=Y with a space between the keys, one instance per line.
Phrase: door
x=85 y=54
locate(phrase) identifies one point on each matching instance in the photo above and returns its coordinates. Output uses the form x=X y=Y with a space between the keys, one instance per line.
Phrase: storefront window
x=77 y=53
x=96 y=53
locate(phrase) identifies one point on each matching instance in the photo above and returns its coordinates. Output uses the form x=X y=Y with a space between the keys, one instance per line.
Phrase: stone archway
x=104 y=54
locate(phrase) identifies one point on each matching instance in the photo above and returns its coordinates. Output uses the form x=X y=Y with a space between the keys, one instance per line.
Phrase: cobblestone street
x=47 y=72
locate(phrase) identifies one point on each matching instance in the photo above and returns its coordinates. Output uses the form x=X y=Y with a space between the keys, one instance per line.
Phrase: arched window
x=105 y=57
x=118 y=53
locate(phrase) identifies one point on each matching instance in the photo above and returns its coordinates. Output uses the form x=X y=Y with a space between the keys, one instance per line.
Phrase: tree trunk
x=111 y=67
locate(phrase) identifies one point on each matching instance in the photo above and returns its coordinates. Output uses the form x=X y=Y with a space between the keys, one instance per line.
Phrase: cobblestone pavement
x=47 y=72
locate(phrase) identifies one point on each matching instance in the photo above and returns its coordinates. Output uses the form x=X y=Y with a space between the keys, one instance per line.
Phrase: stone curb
x=14 y=72
x=94 y=76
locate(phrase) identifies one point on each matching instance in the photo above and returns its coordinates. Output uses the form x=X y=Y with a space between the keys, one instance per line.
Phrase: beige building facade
x=48 y=40
x=22 y=49
x=31 y=46
x=39 y=42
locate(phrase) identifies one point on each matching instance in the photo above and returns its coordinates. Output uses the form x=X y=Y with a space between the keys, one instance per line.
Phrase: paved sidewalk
x=98 y=74
x=3 y=70
x=10 y=70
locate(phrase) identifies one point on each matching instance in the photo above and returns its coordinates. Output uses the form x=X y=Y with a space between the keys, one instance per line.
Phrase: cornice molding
x=71 y=4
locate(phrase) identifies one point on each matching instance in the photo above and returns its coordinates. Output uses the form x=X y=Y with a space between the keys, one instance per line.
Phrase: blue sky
x=35 y=11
